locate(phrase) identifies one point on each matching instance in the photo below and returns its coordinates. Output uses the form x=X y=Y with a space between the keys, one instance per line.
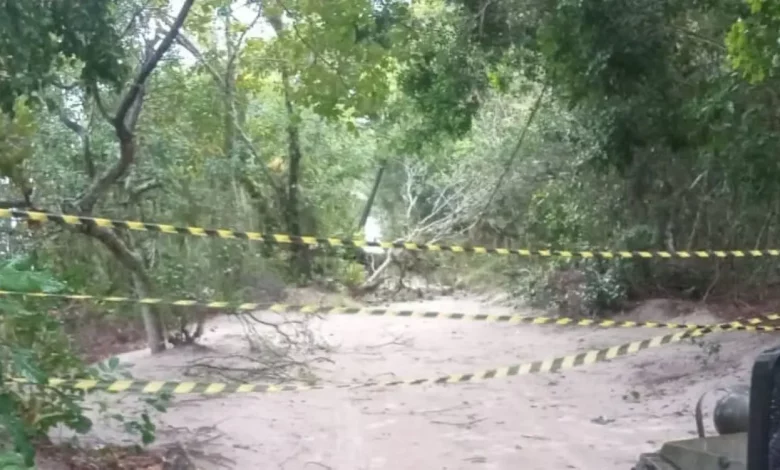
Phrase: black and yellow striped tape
x=752 y=324
x=279 y=238
x=537 y=367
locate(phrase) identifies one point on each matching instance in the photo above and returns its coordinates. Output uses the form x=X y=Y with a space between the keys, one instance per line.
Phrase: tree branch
x=83 y=134
x=146 y=70
x=137 y=192
x=508 y=165
x=70 y=123
x=232 y=58
x=95 y=92
x=63 y=86
x=193 y=49
x=134 y=18
x=20 y=204
x=123 y=132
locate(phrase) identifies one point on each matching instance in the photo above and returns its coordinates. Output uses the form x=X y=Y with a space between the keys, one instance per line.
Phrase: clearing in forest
x=601 y=416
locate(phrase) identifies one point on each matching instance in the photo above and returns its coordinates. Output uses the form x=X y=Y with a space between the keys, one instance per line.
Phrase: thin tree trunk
x=230 y=92
x=372 y=197
x=153 y=324
x=237 y=117
x=515 y=153
x=302 y=264
x=290 y=203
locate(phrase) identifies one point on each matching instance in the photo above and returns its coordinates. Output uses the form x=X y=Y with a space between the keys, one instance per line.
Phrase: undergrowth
x=33 y=349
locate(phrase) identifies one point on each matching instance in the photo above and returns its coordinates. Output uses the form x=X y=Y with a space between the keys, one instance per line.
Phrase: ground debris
x=68 y=457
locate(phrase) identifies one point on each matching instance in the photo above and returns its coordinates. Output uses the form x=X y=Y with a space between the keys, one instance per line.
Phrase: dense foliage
x=671 y=107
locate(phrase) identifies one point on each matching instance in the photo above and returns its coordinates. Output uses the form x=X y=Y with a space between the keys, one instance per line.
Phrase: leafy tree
x=753 y=41
x=675 y=135
x=56 y=44
x=330 y=60
x=39 y=38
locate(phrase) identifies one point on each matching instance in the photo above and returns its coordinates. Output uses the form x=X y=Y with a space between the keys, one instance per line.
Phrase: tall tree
x=88 y=44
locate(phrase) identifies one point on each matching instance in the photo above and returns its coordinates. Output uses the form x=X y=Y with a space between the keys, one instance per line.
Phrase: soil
x=67 y=457
x=97 y=336
x=601 y=416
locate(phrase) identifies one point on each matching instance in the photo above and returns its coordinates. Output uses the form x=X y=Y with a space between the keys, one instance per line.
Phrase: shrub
x=34 y=347
x=591 y=287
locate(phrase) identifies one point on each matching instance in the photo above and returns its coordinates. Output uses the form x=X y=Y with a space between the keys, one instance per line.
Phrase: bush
x=591 y=288
x=337 y=267
x=10 y=460
x=34 y=347
x=604 y=288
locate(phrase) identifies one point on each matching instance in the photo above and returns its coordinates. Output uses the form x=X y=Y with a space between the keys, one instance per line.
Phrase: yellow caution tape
x=538 y=367
x=280 y=238
x=752 y=324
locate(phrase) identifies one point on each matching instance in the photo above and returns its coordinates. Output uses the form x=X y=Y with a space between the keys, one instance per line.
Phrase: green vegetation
x=34 y=347
x=541 y=124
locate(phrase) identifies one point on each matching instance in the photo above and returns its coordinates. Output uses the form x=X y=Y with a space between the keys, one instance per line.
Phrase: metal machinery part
x=774 y=432
x=756 y=449
x=728 y=451
x=731 y=412
x=763 y=443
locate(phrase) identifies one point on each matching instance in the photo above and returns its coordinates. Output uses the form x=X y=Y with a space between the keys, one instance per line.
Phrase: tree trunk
x=290 y=205
x=371 y=197
x=124 y=122
x=230 y=92
x=301 y=263
x=153 y=324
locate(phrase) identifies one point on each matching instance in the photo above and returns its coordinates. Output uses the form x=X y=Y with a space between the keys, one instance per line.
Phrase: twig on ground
x=193 y=447
x=283 y=464
x=443 y=410
x=398 y=340
x=467 y=424
x=263 y=370
x=322 y=465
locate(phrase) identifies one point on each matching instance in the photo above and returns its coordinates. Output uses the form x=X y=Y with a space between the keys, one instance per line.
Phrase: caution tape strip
x=751 y=324
x=280 y=238
x=537 y=367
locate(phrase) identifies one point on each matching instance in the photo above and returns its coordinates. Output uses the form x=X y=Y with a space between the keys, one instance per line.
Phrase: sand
x=596 y=417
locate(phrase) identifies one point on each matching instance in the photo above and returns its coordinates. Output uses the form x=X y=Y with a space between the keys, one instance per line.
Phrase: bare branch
x=516 y=151
x=63 y=86
x=146 y=70
x=237 y=47
x=190 y=46
x=141 y=189
x=95 y=92
x=135 y=109
x=70 y=123
x=134 y=17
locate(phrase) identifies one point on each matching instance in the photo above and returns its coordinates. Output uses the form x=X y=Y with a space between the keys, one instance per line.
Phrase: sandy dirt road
x=601 y=416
